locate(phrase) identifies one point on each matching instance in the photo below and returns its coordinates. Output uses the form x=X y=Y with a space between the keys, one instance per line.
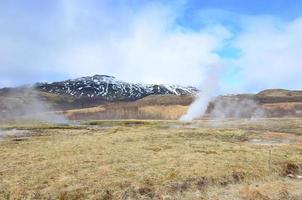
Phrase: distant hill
x=81 y=93
x=258 y=105
x=105 y=97
x=279 y=95
x=281 y=103
x=267 y=103
x=110 y=89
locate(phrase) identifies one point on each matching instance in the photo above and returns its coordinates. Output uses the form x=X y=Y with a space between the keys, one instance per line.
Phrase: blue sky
x=257 y=43
x=281 y=8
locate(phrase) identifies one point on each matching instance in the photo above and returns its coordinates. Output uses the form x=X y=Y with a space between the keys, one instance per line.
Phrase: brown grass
x=151 y=107
x=274 y=190
x=149 y=160
x=71 y=114
x=128 y=110
x=166 y=100
x=165 y=112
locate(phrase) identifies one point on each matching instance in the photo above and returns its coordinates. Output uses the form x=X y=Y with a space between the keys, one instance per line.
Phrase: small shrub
x=292 y=168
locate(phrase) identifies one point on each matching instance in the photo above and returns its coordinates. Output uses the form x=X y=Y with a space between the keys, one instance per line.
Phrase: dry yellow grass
x=152 y=160
x=128 y=111
x=83 y=111
x=151 y=107
x=165 y=112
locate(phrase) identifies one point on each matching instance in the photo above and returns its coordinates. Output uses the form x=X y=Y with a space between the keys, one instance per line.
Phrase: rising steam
x=229 y=106
x=237 y=106
x=207 y=90
x=25 y=104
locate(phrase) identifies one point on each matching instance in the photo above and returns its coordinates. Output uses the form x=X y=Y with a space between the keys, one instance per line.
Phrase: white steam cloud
x=24 y=104
x=236 y=106
x=207 y=91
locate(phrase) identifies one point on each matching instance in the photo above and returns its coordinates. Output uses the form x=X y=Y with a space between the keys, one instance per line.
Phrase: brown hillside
x=268 y=103
x=279 y=95
x=151 y=107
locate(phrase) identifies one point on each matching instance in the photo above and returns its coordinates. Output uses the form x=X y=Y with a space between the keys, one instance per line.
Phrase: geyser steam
x=25 y=104
x=199 y=106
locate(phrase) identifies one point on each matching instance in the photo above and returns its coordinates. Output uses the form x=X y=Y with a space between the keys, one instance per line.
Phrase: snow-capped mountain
x=110 y=88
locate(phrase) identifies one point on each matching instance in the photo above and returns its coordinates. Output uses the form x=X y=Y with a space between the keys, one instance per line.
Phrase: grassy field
x=165 y=107
x=137 y=159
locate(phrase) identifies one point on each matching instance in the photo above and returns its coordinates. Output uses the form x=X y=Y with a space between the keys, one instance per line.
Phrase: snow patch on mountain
x=109 y=88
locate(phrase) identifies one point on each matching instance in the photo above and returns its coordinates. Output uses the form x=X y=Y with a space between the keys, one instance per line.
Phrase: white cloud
x=144 y=44
x=271 y=54
x=140 y=46
x=153 y=49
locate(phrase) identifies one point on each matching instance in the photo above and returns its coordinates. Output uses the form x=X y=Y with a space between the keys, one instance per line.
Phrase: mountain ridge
x=110 y=88
x=108 y=97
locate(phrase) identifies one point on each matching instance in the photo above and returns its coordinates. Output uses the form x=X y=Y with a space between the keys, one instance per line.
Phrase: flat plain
x=149 y=159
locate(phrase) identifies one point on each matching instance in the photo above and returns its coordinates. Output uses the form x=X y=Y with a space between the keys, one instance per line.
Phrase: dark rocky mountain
x=110 y=89
x=78 y=93
x=107 y=97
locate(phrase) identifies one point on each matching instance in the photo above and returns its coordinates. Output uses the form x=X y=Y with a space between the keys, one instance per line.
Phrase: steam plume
x=237 y=106
x=199 y=106
x=25 y=104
